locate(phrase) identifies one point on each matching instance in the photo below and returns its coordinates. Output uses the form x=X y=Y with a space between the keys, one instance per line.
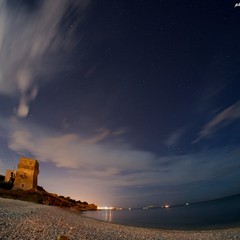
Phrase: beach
x=25 y=220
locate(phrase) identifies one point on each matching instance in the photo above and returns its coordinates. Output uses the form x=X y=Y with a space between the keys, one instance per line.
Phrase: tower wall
x=27 y=174
x=10 y=175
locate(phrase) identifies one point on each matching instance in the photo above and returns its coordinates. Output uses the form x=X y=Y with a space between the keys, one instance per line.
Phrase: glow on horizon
x=105 y=208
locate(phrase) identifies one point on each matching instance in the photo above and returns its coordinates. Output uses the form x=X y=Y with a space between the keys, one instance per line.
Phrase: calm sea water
x=201 y=215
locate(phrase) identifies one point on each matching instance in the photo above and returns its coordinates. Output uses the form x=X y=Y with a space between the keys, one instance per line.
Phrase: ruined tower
x=27 y=174
x=10 y=175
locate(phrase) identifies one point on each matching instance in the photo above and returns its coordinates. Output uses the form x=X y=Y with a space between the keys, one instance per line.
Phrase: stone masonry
x=27 y=174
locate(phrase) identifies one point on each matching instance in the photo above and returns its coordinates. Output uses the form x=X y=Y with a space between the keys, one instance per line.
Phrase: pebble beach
x=27 y=221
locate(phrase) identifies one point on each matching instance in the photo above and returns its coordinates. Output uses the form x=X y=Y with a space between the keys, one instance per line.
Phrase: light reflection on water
x=103 y=215
x=107 y=215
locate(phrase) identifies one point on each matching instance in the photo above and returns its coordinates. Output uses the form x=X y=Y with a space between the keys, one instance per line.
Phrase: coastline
x=25 y=220
x=177 y=228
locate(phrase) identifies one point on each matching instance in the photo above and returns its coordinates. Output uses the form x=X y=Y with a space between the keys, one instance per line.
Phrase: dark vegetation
x=5 y=185
x=42 y=197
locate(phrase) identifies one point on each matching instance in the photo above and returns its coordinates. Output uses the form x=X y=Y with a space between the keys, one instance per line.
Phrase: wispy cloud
x=28 y=38
x=174 y=137
x=100 y=136
x=222 y=119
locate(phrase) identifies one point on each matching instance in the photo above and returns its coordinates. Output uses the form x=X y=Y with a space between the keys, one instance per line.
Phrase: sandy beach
x=24 y=220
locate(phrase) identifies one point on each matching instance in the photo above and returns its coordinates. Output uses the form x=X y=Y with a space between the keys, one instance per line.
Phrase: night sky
x=123 y=102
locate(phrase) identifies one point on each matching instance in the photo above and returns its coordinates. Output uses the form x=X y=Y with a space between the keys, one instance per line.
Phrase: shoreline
x=182 y=228
x=25 y=220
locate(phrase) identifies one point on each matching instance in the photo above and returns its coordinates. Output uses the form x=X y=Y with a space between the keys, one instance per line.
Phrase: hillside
x=43 y=197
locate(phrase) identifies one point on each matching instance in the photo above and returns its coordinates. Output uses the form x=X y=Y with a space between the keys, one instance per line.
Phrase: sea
x=203 y=215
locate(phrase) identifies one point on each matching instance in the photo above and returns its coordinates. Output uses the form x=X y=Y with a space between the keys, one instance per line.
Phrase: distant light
x=165 y=206
x=105 y=208
x=187 y=204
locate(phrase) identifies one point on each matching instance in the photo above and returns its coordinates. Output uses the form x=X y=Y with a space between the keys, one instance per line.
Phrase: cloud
x=102 y=162
x=73 y=151
x=100 y=136
x=113 y=162
x=30 y=35
x=23 y=108
x=174 y=137
x=222 y=119
x=119 y=132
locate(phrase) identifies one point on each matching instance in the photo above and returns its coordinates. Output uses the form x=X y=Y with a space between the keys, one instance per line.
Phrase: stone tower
x=27 y=174
x=10 y=175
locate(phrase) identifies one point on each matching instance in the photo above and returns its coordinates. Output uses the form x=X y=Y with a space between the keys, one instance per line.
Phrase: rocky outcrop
x=43 y=197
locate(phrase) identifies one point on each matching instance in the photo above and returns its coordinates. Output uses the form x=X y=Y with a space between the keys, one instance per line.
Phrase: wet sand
x=28 y=221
